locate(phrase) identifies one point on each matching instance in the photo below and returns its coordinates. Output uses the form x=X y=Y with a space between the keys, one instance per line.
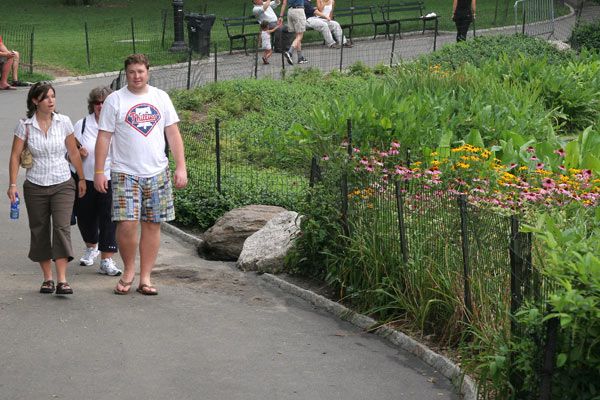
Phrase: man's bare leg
x=127 y=241
x=149 y=245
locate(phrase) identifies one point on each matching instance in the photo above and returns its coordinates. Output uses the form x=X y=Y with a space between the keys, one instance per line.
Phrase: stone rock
x=560 y=45
x=225 y=239
x=266 y=250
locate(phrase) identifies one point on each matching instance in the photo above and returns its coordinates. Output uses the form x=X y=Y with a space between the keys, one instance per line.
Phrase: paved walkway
x=212 y=333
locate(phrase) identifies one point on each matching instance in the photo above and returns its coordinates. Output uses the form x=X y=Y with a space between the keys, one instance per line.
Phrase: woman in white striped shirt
x=49 y=189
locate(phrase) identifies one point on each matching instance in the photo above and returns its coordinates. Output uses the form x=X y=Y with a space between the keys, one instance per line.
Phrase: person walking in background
x=140 y=119
x=296 y=24
x=265 y=40
x=49 y=189
x=264 y=11
x=463 y=13
x=93 y=210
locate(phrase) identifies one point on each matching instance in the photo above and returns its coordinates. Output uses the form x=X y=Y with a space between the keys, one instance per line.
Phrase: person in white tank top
x=324 y=16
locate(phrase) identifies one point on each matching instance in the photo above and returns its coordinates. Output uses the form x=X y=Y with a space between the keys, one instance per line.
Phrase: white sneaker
x=90 y=254
x=108 y=267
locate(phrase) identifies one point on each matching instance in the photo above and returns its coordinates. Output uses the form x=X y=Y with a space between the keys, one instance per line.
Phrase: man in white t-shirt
x=140 y=119
x=264 y=11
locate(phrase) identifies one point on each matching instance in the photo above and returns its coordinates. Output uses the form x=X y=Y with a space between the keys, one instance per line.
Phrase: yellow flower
x=435 y=163
x=370 y=205
x=523 y=168
x=433 y=154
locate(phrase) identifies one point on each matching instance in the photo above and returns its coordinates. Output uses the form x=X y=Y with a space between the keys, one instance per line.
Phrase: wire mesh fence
x=249 y=166
x=20 y=38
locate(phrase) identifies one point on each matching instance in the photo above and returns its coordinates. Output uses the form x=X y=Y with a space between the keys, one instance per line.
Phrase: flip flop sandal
x=63 y=288
x=124 y=284
x=143 y=286
x=8 y=88
x=47 y=287
x=265 y=61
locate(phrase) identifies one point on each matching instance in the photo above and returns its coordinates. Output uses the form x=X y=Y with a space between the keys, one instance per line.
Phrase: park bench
x=397 y=13
x=351 y=17
x=236 y=30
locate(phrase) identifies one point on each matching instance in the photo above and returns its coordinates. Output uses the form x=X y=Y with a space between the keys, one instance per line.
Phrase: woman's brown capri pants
x=44 y=203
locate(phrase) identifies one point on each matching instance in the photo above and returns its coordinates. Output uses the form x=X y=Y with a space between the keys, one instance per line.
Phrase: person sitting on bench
x=321 y=19
x=10 y=58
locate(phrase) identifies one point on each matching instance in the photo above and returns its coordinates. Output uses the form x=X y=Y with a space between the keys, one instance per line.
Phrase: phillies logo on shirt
x=143 y=118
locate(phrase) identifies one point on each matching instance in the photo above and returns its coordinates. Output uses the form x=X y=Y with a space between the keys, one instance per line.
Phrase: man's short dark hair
x=138 y=58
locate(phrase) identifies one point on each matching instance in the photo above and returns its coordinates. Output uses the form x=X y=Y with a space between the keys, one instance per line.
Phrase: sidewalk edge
x=442 y=364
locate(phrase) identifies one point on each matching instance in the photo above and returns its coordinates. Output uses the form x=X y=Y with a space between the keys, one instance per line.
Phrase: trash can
x=199 y=27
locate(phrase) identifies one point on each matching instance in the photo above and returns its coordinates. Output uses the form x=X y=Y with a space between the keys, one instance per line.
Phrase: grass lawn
x=60 y=34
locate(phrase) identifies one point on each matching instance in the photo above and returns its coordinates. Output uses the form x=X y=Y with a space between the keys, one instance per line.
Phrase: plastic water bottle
x=14 y=209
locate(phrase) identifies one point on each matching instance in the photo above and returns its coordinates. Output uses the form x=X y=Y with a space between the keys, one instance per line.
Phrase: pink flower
x=393 y=152
x=534 y=158
x=548 y=183
x=395 y=144
x=512 y=166
x=354 y=149
x=560 y=152
x=344 y=144
x=587 y=173
x=530 y=149
x=364 y=161
x=325 y=157
x=539 y=165
x=370 y=168
x=562 y=168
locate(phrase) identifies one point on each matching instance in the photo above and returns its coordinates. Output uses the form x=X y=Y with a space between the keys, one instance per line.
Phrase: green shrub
x=485 y=48
x=571 y=264
x=586 y=35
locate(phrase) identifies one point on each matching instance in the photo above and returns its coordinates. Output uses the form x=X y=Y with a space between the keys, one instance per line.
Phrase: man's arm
x=5 y=52
x=282 y=11
x=101 y=150
x=176 y=145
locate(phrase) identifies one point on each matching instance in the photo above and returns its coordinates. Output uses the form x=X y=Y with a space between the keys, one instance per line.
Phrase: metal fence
x=487 y=257
x=251 y=167
x=21 y=39
x=534 y=18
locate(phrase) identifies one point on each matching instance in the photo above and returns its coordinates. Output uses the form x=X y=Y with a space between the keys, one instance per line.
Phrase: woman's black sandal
x=47 y=287
x=60 y=288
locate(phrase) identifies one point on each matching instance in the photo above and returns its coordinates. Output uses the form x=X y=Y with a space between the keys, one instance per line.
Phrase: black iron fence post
x=549 y=358
x=516 y=271
x=164 y=28
x=341 y=57
x=218 y=154
x=401 y=226
x=344 y=210
x=435 y=33
x=256 y=57
x=87 y=45
x=393 y=47
x=31 y=53
x=189 y=69
x=132 y=35
x=464 y=229
x=315 y=173
x=216 y=68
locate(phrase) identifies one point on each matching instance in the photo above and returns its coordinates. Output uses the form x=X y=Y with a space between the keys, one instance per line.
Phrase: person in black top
x=463 y=13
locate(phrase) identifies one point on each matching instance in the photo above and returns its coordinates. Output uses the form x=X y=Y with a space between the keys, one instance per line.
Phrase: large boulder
x=225 y=239
x=265 y=250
